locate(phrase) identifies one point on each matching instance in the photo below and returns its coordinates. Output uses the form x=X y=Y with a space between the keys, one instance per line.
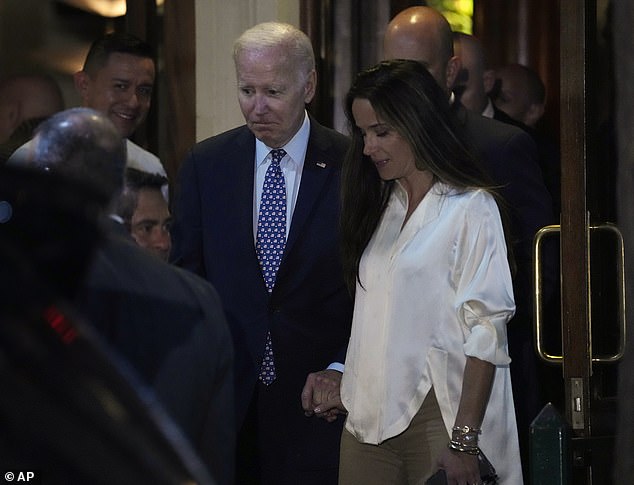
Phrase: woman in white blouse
x=426 y=382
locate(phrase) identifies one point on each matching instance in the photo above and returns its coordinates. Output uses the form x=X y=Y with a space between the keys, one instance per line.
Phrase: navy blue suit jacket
x=309 y=311
x=168 y=324
x=510 y=157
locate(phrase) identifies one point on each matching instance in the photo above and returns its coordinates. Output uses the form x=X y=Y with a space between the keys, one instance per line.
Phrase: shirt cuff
x=336 y=366
x=487 y=338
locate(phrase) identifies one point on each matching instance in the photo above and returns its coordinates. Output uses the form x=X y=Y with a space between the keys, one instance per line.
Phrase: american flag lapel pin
x=321 y=164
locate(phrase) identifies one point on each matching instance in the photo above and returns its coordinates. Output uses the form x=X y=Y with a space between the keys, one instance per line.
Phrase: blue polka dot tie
x=270 y=242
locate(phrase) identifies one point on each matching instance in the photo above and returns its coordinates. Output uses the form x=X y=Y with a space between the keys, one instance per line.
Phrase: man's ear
x=534 y=114
x=451 y=71
x=488 y=76
x=310 y=87
x=82 y=82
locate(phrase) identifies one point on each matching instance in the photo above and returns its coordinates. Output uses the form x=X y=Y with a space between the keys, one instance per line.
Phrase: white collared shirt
x=292 y=165
x=433 y=291
x=489 y=111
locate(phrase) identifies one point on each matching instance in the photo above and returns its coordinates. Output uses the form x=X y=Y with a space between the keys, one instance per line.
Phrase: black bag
x=487 y=473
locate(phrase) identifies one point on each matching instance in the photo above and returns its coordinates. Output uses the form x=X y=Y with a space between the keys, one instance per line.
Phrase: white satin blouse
x=432 y=292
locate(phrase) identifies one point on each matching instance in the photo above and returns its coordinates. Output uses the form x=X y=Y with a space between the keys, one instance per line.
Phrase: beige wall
x=218 y=24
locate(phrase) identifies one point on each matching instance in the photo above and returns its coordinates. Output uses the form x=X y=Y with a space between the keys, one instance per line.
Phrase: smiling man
x=117 y=79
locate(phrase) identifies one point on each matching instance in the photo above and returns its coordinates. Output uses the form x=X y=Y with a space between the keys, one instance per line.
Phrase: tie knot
x=277 y=155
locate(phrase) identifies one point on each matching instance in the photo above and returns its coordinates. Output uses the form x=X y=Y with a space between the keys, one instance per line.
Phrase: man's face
x=150 y=223
x=469 y=86
x=122 y=89
x=272 y=92
x=512 y=97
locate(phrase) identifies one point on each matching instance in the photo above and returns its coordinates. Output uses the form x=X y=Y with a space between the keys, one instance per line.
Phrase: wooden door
x=592 y=280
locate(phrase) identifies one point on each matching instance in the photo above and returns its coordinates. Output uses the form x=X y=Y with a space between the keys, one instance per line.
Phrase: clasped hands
x=321 y=395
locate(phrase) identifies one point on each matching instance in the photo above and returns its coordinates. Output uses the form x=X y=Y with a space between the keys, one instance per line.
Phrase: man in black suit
x=72 y=411
x=474 y=80
x=512 y=94
x=166 y=322
x=519 y=96
x=510 y=156
x=288 y=324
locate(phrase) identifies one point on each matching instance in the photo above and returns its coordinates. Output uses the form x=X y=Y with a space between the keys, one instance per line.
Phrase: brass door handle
x=537 y=286
x=537 y=304
x=620 y=262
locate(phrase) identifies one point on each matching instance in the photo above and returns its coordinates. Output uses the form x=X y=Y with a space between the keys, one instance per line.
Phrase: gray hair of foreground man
x=83 y=145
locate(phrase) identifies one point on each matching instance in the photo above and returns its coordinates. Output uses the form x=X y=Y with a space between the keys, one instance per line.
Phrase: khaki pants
x=406 y=459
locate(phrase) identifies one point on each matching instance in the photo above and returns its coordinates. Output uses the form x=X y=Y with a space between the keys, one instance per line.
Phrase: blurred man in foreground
x=167 y=323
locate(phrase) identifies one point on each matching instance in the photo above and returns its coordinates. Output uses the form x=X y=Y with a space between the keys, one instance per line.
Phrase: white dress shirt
x=143 y=160
x=292 y=165
x=488 y=111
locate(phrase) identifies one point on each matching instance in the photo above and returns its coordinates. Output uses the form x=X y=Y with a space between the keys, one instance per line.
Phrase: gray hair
x=267 y=35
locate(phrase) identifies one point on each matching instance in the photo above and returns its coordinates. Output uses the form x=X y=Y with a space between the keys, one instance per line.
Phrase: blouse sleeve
x=484 y=290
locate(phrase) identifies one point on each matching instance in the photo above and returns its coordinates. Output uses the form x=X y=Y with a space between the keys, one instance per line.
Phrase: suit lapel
x=318 y=168
x=243 y=164
x=240 y=180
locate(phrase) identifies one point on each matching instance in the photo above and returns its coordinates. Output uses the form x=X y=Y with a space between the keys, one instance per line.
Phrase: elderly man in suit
x=257 y=215
x=510 y=156
x=167 y=323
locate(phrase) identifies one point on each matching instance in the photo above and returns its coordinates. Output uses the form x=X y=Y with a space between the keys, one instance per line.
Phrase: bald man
x=521 y=93
x=510 y=156
x=520 y=96
x=25 y=101
x=474 y=80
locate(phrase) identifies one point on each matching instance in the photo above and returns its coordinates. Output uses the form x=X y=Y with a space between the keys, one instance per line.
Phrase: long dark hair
x=405 y=96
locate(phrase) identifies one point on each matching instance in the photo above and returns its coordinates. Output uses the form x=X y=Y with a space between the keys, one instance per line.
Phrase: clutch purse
x=487 y=473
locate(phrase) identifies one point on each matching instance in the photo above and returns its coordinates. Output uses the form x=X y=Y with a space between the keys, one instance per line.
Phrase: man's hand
x=320 y=396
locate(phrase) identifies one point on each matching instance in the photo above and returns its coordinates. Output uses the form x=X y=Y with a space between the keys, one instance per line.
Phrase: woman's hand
x=461 y=468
